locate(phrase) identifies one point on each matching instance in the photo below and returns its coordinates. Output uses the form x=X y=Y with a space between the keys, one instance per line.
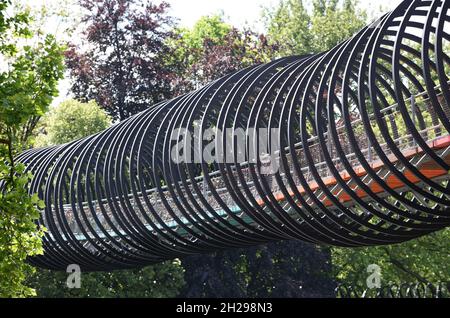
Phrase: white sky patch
x=242 y=13
x=239 y=13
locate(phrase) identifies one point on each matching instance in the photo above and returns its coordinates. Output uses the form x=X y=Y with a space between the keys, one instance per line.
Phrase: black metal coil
x=371 y=115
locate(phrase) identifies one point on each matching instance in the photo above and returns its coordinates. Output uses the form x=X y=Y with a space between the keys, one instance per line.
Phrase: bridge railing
x=405 y=290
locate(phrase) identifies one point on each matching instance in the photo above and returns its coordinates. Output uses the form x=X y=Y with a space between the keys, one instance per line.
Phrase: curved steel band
x=363 y=157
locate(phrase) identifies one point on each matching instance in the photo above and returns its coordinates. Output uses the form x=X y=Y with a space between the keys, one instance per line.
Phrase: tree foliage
x=290 y=269
x=212 y=27
x=156 y=281
x=214 y=48
x=28 y=81
x=72 y=120
x=425 y=260
x=121 y=62
x=298 y=30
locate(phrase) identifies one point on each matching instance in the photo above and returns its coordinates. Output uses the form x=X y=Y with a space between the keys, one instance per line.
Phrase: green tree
x=28 y=81
x=72 y=120
x=213 y=48
x=211 y=27
x=298 y=30
x=156 y=281
x=425 y=260
x=187 y=44
x=332 y=24
x=292 y=269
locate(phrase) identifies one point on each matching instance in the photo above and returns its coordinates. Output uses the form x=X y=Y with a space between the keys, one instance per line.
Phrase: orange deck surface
x=429 y=169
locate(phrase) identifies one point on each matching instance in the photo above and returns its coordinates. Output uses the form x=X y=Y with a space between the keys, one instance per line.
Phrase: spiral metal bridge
x=363 y=157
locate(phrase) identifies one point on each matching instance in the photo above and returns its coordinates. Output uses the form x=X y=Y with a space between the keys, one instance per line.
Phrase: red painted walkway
x=429 y=169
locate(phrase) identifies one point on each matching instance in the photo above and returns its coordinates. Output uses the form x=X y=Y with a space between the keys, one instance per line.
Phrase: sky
x=239 y=13
x=244 y=12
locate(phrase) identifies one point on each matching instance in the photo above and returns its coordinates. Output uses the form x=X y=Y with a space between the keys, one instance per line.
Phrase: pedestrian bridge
x=362 y=157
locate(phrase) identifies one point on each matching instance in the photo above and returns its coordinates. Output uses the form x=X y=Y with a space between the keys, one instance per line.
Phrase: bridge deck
x=429 y=169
